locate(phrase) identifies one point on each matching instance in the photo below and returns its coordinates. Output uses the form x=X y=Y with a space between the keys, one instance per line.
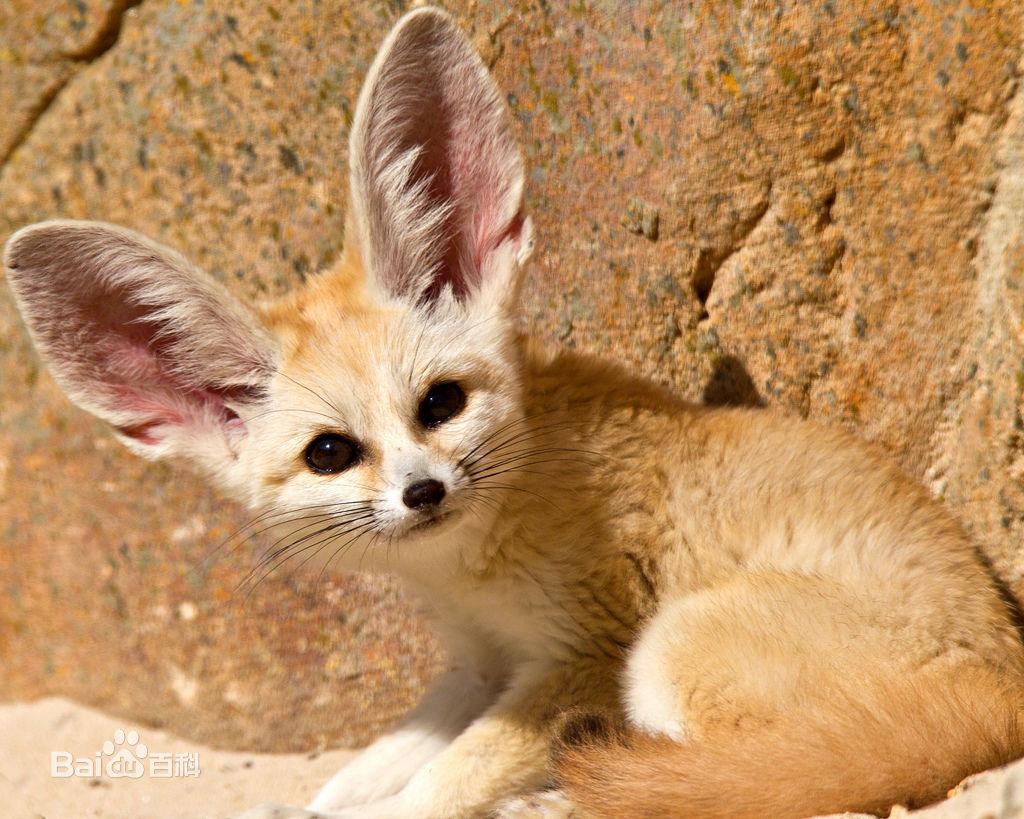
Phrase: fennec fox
x=652 y=608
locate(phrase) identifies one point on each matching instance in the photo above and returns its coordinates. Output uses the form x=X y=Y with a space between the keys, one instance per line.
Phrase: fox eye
x=441 y=402
x=331 y=453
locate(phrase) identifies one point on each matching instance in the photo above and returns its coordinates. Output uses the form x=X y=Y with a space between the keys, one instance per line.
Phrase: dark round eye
x=331 y=453
x=441 y=402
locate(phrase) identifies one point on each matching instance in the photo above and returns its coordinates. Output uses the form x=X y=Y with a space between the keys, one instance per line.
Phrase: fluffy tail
x=904 y=745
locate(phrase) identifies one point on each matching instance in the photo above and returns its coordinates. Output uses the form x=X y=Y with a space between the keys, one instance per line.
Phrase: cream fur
x=762 y=600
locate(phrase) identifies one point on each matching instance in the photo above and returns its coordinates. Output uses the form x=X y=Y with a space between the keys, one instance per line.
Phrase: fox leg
x=785 y=694
x=387 y=764
x=720 y=656
x=748 y=652
x=504 y=752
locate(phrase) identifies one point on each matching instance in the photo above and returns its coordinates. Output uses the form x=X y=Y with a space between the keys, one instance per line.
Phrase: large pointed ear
x=436 y=178
x=136 y=335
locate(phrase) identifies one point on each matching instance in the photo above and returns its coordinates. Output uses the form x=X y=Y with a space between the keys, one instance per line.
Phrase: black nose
x=423 y=493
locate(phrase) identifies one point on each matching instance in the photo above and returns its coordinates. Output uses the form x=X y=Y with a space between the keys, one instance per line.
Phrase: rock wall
x=815 y=206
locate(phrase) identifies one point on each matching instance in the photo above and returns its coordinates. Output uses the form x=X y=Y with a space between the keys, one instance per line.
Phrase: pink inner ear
x=434 y=166
x=144 y=388
x=460 y=174
x=488 y=238
x=434 y=226
x=135 y=334
x=200 y=404
x=127 y=359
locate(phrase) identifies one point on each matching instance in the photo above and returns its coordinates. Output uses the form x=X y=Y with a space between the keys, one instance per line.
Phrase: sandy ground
x=228 y=782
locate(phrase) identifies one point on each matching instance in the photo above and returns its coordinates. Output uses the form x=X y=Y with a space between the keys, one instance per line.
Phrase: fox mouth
x=432 y=520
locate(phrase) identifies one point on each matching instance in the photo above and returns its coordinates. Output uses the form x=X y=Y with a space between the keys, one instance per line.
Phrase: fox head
x=370 y=404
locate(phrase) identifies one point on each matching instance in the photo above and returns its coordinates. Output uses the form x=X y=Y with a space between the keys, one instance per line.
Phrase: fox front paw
x=540 y=805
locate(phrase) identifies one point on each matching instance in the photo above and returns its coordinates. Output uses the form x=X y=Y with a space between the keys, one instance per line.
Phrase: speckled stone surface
x=806 y=205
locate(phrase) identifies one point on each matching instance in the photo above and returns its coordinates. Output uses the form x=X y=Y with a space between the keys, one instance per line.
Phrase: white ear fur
x=436 y=178
x=139 y=337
